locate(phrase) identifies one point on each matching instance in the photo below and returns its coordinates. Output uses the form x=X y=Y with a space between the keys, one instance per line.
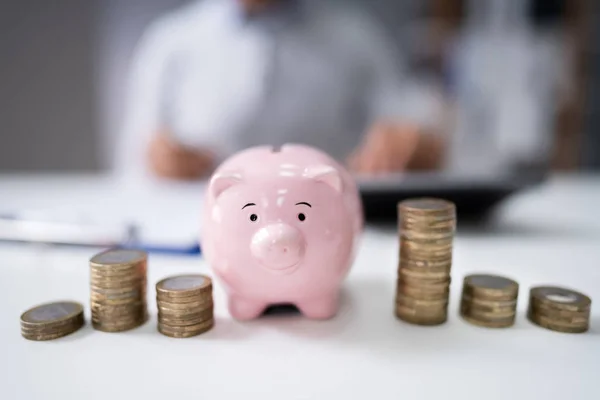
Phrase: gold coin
x=410 y=277
x=185 y=306
x=560 y=298
x=486 y=315
x=466 y=303
x=118 y=283
x=424 y=274
x=419 y=303
x=491 y=287
x=44 y=337
x=564 y=323
x=425 y=320
x=119 y=319
x=426 y=205
x=112 y=328
x=182 y=313
x=418 y=293
x=502 y=323
x=139 y=290
x=49 y=331
x=195 y=319
x=79 y=320
x=425 y=264
x=119 y=313
x=106 y=273
x=491 y=304
x=548 y=324
x=99 y=301
x=561 y=315
x=188 y=331
x=184 y=286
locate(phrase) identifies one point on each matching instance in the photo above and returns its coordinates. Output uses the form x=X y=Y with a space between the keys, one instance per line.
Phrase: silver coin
x=185 y=282
x=51 y=312
x=427 y=204
x=490 y=281
x=118 y=257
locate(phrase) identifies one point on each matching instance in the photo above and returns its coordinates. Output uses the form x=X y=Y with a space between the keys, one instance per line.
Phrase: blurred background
x=65 y=63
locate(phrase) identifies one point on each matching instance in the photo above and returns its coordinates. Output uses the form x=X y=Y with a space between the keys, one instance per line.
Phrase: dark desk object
x=474 y=197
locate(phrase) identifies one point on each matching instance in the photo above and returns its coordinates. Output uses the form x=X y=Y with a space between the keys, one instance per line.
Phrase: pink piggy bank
x=281 y=227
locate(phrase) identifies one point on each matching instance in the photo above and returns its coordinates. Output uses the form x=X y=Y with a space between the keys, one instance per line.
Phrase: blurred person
x=509 y=79
x=217 y=76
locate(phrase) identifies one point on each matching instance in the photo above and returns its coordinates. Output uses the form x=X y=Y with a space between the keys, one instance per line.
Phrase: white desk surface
x=550 y=234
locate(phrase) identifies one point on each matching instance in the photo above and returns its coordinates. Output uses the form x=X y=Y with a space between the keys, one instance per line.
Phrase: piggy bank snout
x=278 y=246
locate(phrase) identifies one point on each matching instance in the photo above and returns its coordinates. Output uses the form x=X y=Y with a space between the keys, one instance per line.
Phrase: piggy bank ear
x=222 y=181
x=325 y=174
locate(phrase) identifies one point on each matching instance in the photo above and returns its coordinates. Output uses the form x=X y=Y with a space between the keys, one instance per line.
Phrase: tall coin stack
x=118 y=290
x=426 y=228
x=52 y=321
x=185 y=305
x=489 y=301
x=559 y=309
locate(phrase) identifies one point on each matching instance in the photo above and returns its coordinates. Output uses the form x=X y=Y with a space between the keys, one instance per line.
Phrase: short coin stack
x=559 y=309
x=427 y=229
x=185 y=305
x=51 y=321
x=489 y=301
x=118 y=290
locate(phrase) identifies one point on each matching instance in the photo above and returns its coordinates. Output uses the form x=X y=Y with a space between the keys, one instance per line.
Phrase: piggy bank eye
x=301 y=217
x=253 y=217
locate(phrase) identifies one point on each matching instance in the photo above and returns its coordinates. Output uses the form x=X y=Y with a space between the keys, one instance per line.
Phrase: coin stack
x=51 y=321
x=185 y=305
x=489 y=301
x=426 y=228
x=118 y=290
x=559 y=309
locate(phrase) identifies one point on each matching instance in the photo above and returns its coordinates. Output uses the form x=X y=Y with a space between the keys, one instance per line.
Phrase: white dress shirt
x=300 y=72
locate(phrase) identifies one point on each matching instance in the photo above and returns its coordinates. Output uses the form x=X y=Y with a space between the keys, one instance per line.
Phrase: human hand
x=385 y=148
x=169 y=159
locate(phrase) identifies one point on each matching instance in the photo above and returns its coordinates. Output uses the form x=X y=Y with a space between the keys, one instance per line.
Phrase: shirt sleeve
x=144 y=112
x=392 y=94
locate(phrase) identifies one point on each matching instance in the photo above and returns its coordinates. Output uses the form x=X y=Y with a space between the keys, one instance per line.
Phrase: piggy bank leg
x=245 y=309
x=323 y=307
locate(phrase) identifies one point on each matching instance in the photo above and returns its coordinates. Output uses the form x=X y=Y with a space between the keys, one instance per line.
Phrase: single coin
x=419 y=304
x=119 y=282
x=557 y=327
x=560 y=298
x=199 y=318
x=45 y=337
x=490 y=287
x=185 y=333
x=425 y=264
x=51 y=327
x=491 y=304
x=185 y=306
x=486 y=315
x=411 y=318
x=112 y=326
x=118 y=257
x=418 y=293
x=560 y=315
x=410 y=277
x=487 y=306
x=184 y=286
x=51 y=313
x=427 y=205
x=182 y=313
x=501 y=323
